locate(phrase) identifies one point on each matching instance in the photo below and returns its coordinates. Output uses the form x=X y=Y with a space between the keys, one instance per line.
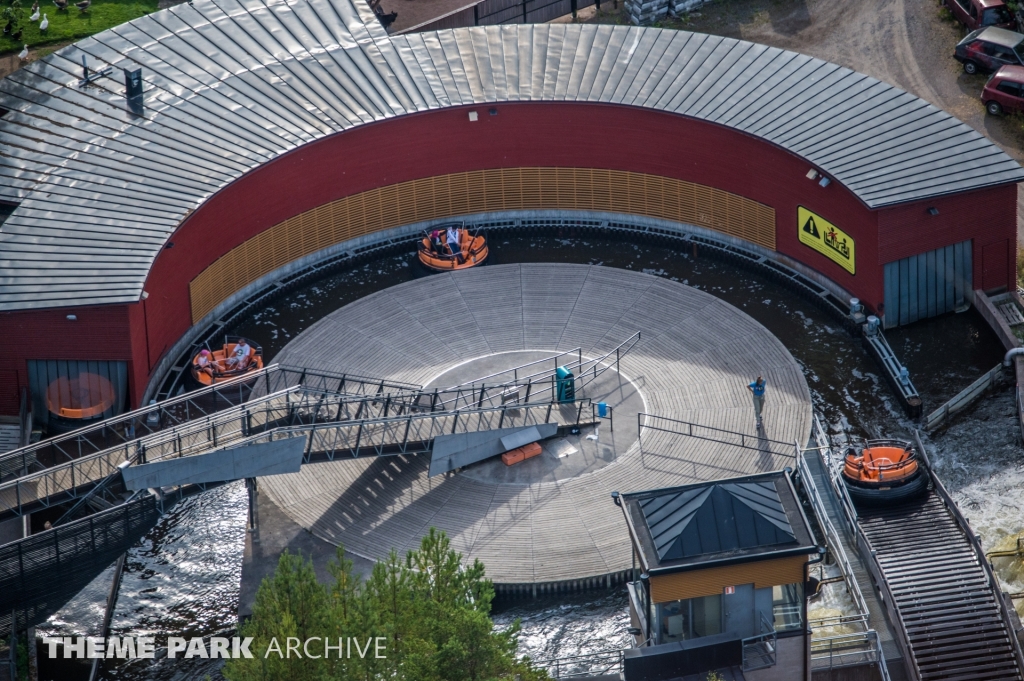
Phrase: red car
x=976 y=14
x=1004 y=91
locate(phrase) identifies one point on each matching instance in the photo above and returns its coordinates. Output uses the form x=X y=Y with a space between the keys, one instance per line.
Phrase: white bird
x=34 y=17
x=45 y=25
x=23 y=55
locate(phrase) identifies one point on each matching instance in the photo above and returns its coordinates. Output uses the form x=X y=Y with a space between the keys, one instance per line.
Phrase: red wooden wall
x=520 y=135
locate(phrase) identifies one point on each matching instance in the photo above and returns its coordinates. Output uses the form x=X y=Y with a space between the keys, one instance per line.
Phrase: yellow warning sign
x=827 y=239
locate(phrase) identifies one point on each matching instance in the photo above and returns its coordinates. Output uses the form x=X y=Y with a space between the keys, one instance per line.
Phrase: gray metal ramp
x=451 y=452
x=876 y=612
x=941 y=592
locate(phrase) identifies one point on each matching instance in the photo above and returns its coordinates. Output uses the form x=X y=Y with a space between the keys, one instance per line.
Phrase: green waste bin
x=565 y=385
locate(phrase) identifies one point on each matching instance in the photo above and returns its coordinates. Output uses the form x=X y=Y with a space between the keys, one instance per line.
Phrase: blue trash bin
x=602 y=409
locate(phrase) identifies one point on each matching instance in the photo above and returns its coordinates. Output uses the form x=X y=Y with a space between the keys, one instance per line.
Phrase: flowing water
x=183 y=578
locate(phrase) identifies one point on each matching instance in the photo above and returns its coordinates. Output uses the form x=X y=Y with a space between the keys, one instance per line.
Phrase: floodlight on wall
x=72 y=318
x=145 y=294
x=824 y=182
x=473 y=116
x=812 y=174
x=932 y=210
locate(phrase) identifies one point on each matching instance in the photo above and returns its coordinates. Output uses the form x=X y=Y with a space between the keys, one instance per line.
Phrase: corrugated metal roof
x=231 y=84
x=716 y=518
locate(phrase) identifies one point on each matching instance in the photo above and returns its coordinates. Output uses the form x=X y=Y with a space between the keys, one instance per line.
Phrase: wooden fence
x=964 y=398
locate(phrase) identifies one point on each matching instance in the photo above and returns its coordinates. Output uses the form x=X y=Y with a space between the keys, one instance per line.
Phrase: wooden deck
x=695 y=359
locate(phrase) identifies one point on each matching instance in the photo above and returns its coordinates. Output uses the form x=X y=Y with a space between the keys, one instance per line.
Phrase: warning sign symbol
x=827 y=239
x=811 y=228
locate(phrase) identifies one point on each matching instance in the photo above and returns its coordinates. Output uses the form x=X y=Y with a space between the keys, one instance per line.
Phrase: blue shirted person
x=757 y=390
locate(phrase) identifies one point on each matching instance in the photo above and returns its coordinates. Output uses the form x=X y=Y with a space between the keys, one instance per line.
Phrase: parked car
x=989 y=49
x=1004 y=91
x=981 y=13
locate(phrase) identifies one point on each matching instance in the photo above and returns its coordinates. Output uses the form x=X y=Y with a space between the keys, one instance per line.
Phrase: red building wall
x=99 y=333
x=982 y=216
x=531 y=135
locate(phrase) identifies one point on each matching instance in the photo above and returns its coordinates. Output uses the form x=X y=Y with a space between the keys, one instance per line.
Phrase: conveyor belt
x=941 y=592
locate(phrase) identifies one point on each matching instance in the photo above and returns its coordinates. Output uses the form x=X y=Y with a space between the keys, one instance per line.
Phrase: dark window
x=963 y=4
x=6 y=208
x=1009 y=88
x=974 y=11
x=996 y=15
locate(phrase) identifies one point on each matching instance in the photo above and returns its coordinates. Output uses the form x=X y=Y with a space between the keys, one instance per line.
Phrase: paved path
x=693 y=363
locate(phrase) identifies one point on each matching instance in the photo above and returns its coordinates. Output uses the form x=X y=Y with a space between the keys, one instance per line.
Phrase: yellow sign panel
x=827 y=239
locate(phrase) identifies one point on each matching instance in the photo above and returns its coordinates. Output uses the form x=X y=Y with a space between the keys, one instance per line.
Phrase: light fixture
x=473 y=116
x=145 y=294
x=72 y=318
x=932 y=210
x=824 y=182
x=812 y=174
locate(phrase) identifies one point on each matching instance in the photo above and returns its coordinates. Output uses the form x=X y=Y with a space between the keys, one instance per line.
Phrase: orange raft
x=87 y=396
x=474 y=252
x=883 y=472
x=219 y=368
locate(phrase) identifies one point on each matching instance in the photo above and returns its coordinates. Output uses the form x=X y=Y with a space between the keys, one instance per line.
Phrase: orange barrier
x=521 y=454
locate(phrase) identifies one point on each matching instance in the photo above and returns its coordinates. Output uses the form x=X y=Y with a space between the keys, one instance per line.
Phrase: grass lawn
x=72 y=24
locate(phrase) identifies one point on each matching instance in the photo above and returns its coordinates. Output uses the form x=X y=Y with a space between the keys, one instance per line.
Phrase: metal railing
x=702 y=432
x=539 y=385
x=836 y=550
x=413 y=433
x=383 y=424
x=979 y=552
x=130 y=426
x=848 y=650
x=583 y=666
x=760 y=651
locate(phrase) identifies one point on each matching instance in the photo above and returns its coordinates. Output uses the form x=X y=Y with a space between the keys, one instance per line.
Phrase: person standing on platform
x=757 y=390
x=453 y=243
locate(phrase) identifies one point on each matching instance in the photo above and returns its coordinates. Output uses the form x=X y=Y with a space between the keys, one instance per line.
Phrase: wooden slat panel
x=476 y=192
x=712 y=581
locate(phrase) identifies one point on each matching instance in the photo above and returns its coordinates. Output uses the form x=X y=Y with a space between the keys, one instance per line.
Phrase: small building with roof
x=720 y=569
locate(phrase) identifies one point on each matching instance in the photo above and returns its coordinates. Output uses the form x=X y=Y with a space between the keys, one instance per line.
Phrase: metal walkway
x=844 y=650
x=338 y=413
x=940 y=594
x=947 y=603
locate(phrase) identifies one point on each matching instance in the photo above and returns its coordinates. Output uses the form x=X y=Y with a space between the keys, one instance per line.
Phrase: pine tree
x=431 y=612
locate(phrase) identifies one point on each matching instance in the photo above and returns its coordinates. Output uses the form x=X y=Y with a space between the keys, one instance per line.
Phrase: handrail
x=608 y=661
x=979 y=552
x=137 y=418
x=834 y=544
x=642 y=417
x=844 y=642
x=867 y=551
x=411 y=432
x=544 y=381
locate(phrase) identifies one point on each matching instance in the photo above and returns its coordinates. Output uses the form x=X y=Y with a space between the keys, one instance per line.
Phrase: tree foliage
x=427 y=613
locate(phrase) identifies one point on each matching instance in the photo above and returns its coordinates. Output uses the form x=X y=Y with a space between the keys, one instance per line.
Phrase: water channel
x=183 y=578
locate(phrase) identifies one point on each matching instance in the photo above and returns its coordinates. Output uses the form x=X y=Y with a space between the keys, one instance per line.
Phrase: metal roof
x=716 y=518
x=231 y=84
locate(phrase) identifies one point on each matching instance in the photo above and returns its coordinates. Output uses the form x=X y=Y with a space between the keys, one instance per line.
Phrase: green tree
x=431 y=612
